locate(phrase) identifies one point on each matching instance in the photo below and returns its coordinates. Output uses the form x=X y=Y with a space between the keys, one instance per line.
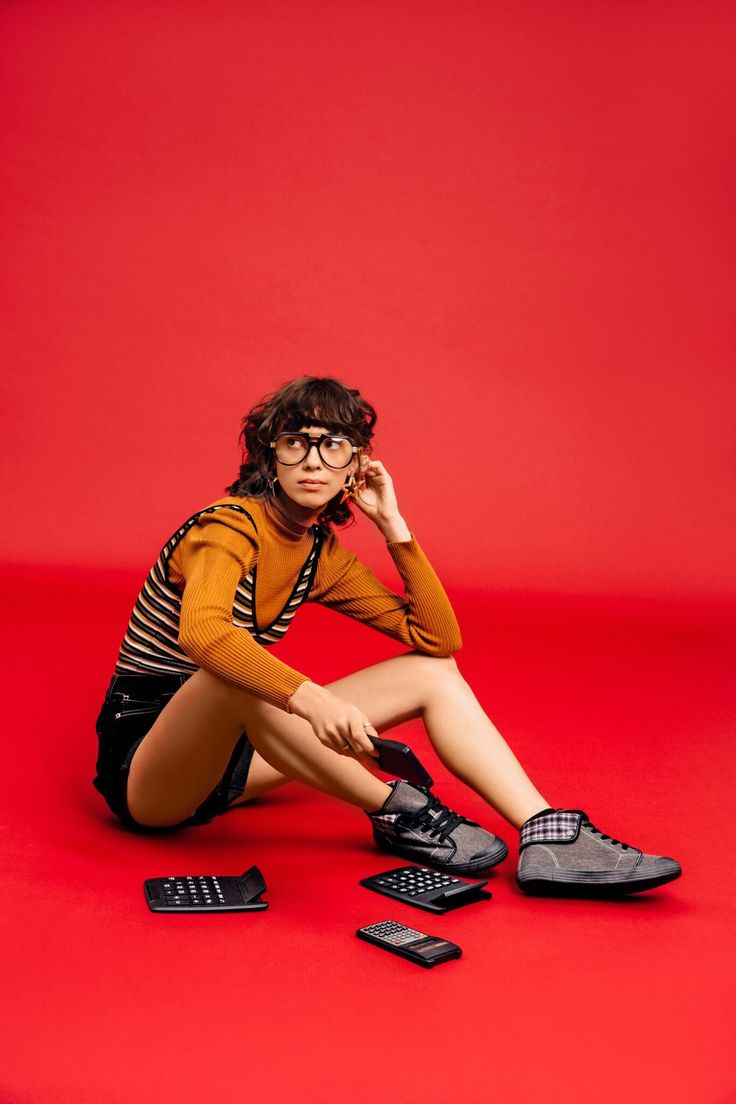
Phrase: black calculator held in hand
x=207 y=892
x=398 y=759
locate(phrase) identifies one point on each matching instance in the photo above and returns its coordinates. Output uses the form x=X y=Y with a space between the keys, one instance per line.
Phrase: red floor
x=625 y=710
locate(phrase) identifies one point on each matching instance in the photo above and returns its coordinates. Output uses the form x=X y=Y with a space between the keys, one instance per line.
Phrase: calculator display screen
x=432 y=946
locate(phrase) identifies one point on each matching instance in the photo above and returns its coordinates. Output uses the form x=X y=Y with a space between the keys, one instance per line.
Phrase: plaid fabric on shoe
x=562 y=853
x=416 y=825
x=550 y=826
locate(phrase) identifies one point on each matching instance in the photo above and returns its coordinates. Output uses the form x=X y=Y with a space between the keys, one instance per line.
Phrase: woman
x=200 y=717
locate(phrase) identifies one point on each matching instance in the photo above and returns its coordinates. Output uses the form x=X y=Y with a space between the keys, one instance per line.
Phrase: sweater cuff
x=404 y=544
x=406 y=552
x=287 y=688
x=287 y=707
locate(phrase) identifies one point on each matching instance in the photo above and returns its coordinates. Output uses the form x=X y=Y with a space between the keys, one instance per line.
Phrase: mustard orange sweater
x=209 y=562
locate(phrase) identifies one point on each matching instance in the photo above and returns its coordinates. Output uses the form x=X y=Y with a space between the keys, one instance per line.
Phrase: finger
x=348 y=746
x=362 y=743
x=338 y=741
x=369 y=731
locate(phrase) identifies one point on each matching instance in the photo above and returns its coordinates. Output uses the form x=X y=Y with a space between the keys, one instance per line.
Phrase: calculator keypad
x=388 y=931
x=185 y=891
x=413 y=881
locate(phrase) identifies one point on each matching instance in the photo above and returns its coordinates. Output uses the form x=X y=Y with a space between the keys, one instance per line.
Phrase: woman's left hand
x=376 y=496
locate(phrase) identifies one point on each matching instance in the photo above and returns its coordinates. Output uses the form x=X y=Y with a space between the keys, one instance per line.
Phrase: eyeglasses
x=292 y=448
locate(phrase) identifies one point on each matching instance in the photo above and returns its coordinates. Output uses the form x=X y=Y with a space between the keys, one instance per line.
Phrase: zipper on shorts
x=152 y=708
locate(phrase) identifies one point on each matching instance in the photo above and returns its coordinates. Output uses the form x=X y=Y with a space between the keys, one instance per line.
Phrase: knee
x=439 y=672
x=445 y=663
x=438 y=662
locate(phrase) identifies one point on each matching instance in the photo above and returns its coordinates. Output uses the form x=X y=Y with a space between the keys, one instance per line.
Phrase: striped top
x=197 y=606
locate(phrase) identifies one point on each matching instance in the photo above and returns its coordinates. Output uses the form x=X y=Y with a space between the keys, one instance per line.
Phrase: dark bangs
x=324 y=402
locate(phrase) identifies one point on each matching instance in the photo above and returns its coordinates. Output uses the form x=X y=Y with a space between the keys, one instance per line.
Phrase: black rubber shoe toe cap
x=495 y=854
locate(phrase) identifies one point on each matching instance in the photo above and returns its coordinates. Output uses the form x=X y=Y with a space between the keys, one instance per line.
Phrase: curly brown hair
x=309 y=400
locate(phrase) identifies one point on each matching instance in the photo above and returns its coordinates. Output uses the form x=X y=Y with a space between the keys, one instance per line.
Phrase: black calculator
x=425 y=950
x=207 y=892
x=426 y=889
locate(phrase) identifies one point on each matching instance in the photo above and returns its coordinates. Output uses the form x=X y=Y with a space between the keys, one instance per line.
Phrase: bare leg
x=470 y=745
x=182 y=757
x=465 y=739
x=176 y=766
x=262 y=778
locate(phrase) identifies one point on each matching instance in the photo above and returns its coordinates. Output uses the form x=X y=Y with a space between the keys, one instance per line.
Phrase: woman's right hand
x=336 y=723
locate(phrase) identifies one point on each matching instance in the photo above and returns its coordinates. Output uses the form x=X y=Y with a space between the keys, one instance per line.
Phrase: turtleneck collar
x=286 y=526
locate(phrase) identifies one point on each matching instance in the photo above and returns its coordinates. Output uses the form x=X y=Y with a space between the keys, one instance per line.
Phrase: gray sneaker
x=416 y=825
x=562 y=854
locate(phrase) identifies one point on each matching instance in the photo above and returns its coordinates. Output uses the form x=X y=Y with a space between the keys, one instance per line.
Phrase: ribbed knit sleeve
x=215 y=557
x=424 y=618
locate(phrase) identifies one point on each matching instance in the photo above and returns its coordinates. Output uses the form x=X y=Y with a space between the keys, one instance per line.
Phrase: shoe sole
x=484 y=862
x=542 y=881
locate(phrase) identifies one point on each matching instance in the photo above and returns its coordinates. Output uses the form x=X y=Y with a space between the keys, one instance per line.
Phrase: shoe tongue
x=406 y=798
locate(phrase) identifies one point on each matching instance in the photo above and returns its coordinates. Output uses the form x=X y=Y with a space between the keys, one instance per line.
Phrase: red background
x=511 y=226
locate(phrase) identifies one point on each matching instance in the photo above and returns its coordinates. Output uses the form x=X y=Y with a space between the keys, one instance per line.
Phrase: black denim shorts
x=132 y=703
